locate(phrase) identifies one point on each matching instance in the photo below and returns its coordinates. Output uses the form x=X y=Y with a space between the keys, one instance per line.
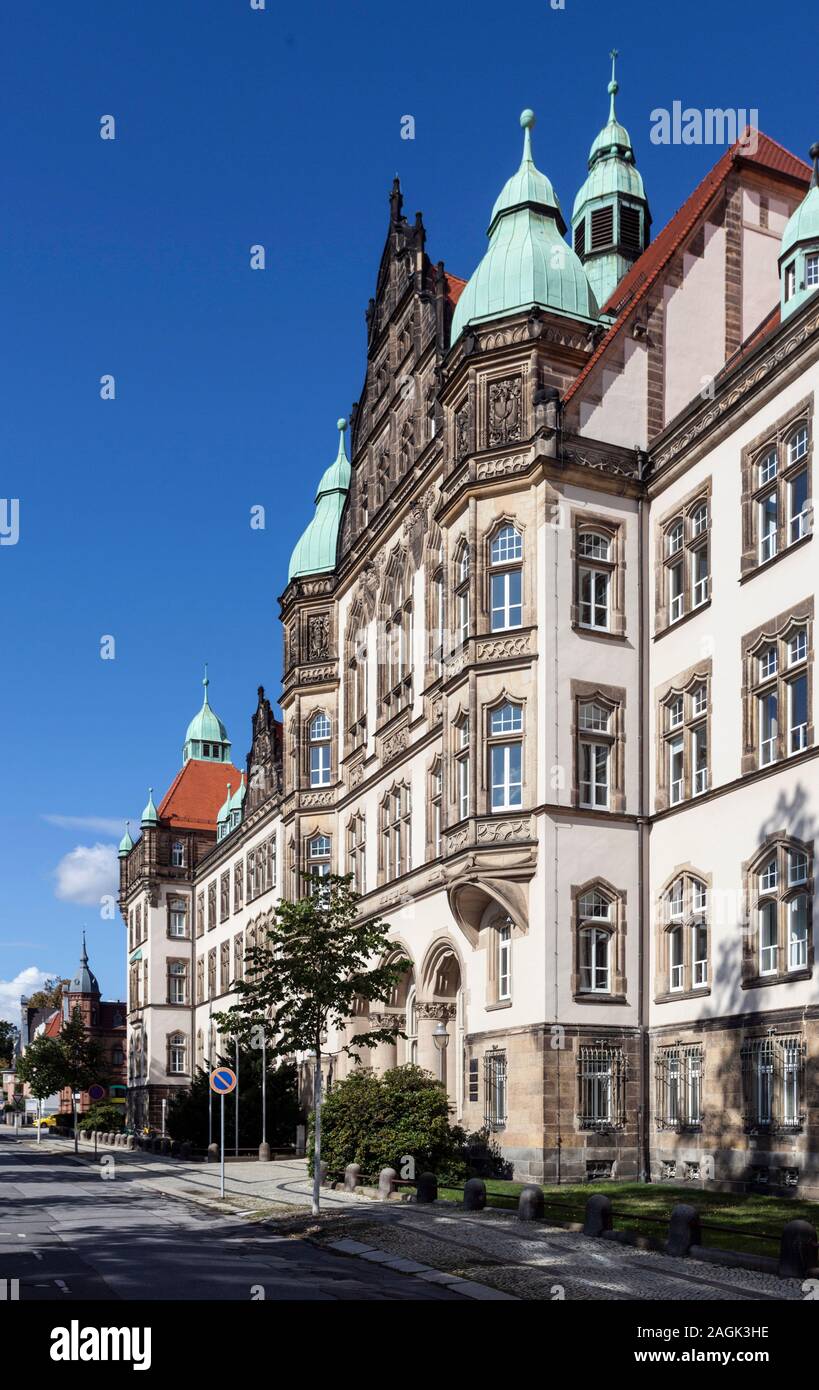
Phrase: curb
x=467 y=1287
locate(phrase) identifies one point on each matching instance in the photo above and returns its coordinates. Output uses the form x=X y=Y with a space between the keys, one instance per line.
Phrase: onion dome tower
x=611 y=218
x=207 y=738
x=316 y=550
x=527 y=263
x=799 y=256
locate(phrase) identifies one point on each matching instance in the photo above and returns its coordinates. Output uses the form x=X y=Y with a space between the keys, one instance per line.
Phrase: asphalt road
x=67 y=1234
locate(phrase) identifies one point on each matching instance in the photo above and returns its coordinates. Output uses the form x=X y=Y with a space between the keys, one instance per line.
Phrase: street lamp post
x=440 y=1037
x=264 y=1147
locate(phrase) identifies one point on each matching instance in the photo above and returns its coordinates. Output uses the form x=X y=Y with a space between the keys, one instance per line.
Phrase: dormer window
x=790 y=281
x=812 y=270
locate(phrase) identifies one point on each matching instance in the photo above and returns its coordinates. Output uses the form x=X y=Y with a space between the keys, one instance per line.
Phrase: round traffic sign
x=96 y=1092
x=222 y=1081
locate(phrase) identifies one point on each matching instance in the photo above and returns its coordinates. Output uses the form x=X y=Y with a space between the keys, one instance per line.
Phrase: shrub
x=378 y=1121
x=187 y=1116
x=103 y=1115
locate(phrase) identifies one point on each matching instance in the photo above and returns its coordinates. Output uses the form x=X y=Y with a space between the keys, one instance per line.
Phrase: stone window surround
x=488 y=940
x=308 y=865
x=505 y=696
x=614 y=697
x=212 y=918
x=224 y=966
x=459 y=587
x=211 y=977
x=435 y=767
x=435 y=570
x=616 y=928
x=481 y=622
x=177 y=1033
x=239 y=956
x=775 y=436
x=355 y=678
x=224 y=896
x=172 y=901
x=307 y=717
x=663 y=994
x=614 y=528
x=405 y=821
x=356 y=851
x=200 y=913
x=682 y=684
x=681 y=511
x=779 y=842
x=238 y=885
x=391 y=614
x=200 y=979
x=460 y=753
x=777 y=630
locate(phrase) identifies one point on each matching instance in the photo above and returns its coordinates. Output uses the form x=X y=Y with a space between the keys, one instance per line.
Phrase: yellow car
x=47 y=1122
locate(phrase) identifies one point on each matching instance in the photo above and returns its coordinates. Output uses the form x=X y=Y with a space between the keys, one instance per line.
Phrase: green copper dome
x=527 y=263
x=126 y=844
x=149 y=815
x=237 y=800
x=798 y=266
x=207 y=738
x=316 y=550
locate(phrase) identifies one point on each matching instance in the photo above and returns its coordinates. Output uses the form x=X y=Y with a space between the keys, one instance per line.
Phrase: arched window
x=462 y=605
x=177 y=1054
x=395 y=671
x=504 y=969
x=355 y=695
x=177 y=854
x=595 y=927
x=780 y=893
x=435 y=800
x=319 y=736
x=395 y=853
x=318 y=856
x=594 y=576
x=595 y=742
x=506 y=756
x=684 y=953
x=506 y=579
x=461 y=753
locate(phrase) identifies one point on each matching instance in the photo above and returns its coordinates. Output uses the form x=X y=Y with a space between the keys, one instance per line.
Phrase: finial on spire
x=206 y=682
x=614 y=85
x=527 y=120
x=84 y=956
x=814 y=154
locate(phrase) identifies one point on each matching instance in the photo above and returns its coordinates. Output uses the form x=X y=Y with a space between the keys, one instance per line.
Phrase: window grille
x=678 y=1075
x=773 y=1084
x=601 y=1074
x=494 y=1090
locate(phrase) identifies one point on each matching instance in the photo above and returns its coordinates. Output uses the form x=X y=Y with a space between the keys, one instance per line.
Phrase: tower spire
x=614 y=85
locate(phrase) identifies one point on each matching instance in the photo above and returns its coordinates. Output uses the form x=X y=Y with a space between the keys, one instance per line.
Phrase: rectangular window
x=178 y=918
x=678 y=1072
x=594 y=775
x=601 y=1073
x=594 y=598
x=699 y=751
x=507 y=785
x=699 y=576
x=676 y=770
x=798 y=506
x=798 y=714
x=773 y=1072
x=177 y=982
x=699 y=954
x=768 y=727
x=507 y=604
x=504 y=962
x=320 y=765
x=767 y=527
x=811 y=271
x=768 y=939
x=495 y=1090
x=676 y=592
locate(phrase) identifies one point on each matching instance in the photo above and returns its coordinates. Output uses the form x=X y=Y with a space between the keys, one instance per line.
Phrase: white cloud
x=87 y=874
x=25 y=983
x=103 y=825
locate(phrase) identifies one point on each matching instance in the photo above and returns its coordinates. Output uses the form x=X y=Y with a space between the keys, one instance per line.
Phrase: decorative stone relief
x=504 y=410
x=456 y=840
x=313 y=800
x=498 y=832
x=318 y=673
x=318 y=637
x=462 y=423
x=503 y=648
x=502 y=467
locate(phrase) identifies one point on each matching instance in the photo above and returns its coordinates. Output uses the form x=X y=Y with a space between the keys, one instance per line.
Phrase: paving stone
x=481 y=1291
x=350 y=1247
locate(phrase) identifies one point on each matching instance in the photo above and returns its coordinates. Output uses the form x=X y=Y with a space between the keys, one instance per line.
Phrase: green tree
x=49 y=997
x=42 y=1067
x=72 y=1059
x=187 y=1116
x=320 y=960
x=8 y=1042
x=104 y=1115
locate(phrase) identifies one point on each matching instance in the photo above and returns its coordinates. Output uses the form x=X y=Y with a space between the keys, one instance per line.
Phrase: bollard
x=386 y=1182
x=531 y=1203
x=474 y=1194
x=185 y=1149
x=130 y=1142
x=323 y=1173
x=598 y=1216
x=175 y=1147
x=683 y=1230
x=427 y=1188
x=213 y=1153
x=797 y=1250
x=352 y=1177
x=264 y=1152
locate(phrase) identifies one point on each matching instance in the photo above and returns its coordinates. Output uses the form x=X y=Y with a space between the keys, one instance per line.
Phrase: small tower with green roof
x=611 y=218
x=316 y=549
x=799 y=256
x=207 y=738
x=527 y=263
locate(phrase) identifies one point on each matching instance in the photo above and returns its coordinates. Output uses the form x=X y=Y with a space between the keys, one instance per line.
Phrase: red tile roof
x=54 y=1024
x=455 y=287
x=635 y=285
x=197 y=793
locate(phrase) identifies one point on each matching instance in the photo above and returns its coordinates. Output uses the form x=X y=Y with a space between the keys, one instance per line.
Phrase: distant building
x=105 y=1021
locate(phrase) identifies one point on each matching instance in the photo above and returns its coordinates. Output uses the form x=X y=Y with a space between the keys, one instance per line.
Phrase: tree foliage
x=42 y=1067
x=380 y=1121
x=8 y=1042
x=103 y=1115
x=187 y=1116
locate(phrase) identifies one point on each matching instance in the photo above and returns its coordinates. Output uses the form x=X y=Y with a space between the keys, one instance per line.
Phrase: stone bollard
x=185 y=1149
x=386 y=1183
x=175 y=1146
x=531 y=1203
x=264 y=1152
x=352 y=1177
x=683 y=1230
x=130 y=1142
x=213 y=1153
x=323 y=1174
x=598 y=1216
x=797 y=1250
x=474 y=1194
x=427 y=1188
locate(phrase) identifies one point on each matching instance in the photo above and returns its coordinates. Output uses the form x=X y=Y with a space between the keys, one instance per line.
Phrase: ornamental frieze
x=310 y=801
x=502 y=467
x=395 y=742
x=435 y=1009
x=318 y=637
x=503 y=648
x=456 y=840
x=317 y=673
x=497 y=832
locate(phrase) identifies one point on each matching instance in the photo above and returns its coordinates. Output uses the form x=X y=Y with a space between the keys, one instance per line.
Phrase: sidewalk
x=490 y=1248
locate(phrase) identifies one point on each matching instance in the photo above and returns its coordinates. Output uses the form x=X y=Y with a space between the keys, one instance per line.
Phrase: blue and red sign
x=223 y=1081
x=96 y=1092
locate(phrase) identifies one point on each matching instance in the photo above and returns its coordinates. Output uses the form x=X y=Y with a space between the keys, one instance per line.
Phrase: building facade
x=547 y=687
x=105 y=1023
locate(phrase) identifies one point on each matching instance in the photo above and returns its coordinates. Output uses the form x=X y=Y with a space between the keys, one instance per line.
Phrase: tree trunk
x=317 y=1133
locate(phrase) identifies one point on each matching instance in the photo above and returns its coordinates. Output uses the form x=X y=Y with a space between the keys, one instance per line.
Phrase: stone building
x=547 y=689
x=105 y=1023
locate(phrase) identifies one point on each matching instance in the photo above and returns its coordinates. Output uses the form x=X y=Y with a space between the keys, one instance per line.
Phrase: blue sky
x=130 y=256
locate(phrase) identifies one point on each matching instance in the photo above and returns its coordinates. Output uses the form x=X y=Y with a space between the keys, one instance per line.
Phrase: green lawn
x=634 y=1203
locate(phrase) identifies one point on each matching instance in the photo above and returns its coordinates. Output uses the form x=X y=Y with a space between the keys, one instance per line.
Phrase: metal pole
x=264 y=1089
x=222 y=1187
x=236 y=1136
x=164 y=1105
x=39 y=1118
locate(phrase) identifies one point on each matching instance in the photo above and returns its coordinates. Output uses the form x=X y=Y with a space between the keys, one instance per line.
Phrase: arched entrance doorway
x=441 y=1003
